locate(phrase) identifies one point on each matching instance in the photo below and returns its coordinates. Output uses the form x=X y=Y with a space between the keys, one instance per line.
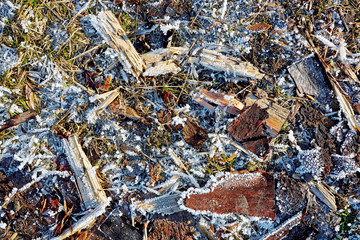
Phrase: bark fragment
x=247 y=193
x=249 y=129
x=310 y=79
x=20 y=118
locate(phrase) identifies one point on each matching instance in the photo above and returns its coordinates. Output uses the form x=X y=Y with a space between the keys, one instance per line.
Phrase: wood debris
x=247 y=193
x=310 y=79
x=110 y=29
x=229 y=103
x=277 y=115
x=92 y=193
x=320 y=190
x=249 y=130
x=20 y=118
x=162 y=61
x=283 y=230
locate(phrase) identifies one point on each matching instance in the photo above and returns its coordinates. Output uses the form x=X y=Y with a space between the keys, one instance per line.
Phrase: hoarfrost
x=311 y=162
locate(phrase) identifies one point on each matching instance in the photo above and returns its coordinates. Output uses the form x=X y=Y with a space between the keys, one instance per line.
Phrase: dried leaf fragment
x=193 y=134
x=259 y=27
x=247 y=193
x=119 y=106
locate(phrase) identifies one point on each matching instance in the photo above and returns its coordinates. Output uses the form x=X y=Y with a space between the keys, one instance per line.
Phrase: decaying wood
x=277 y=115
x=229 y=103
x=344 y=103
x=90 y=188
x=247 y=193
x=283 y=230
x=161 y=61
x=110 y=29
x=249 y=130
x=320 y=190
x=310 y=79
x=20 y=118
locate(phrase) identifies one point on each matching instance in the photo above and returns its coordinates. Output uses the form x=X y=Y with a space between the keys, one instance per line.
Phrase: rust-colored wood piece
x=110 y=29
x=20 y=118
x=249 y=129
x=247 y=193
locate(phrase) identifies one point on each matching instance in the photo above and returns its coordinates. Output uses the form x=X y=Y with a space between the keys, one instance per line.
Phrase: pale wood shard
x=283 y=230
x=345 y=105
x=321 y=191
x=218 y=62
x=90 y=188
x=163 y=60
x=110 y=29
x=166 y=204
x=229 y=103
x=162 y=68
x=310 y=79
x=83 y=222
x=110 y=97
x=277 y=114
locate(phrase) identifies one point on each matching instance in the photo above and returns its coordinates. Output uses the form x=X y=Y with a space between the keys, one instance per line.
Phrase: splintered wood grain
x=110 y=29
x=228 y=103
x=247 y=193
x=249 y=129
x=277 y=115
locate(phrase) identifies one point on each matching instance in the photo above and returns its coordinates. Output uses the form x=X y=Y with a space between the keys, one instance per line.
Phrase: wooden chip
x=259 y=27
x=277 y=115
x=89 y=185
x=249 y=129
x=225 y=102
x=20 y=118
x=110 y=29
x=283 y=230
x=247 y=193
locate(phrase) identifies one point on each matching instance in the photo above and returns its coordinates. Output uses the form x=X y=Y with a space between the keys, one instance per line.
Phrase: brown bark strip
x=247 y=193
x=22 y=117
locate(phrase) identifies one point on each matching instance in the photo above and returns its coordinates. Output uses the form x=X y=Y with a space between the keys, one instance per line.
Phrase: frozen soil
x=54 y=62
